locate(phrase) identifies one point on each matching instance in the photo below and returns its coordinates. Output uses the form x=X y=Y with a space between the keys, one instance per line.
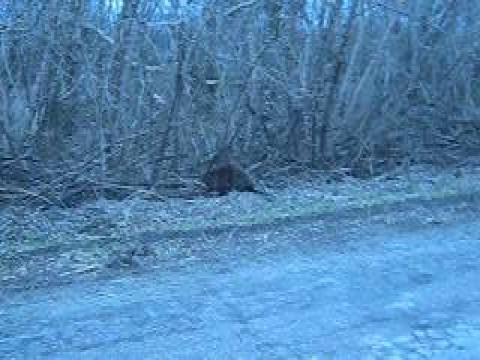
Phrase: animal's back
x=228 y=177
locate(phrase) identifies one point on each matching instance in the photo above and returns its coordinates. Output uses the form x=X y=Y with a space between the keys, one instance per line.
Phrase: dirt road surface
x=397 y=292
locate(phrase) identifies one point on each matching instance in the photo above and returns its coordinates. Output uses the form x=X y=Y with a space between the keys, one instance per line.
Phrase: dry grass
x=109 y=234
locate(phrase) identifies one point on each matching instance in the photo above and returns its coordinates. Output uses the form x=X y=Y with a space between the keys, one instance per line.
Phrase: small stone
x=443 y=344
x=434 y=334
x=402 y=305
x=459 y=342
x=395 y=357
x=413 y=356
x=424 y=324
x=419 y=334
x=403 y=339
x=385 y=345
x=462 y=329
x=425 y=353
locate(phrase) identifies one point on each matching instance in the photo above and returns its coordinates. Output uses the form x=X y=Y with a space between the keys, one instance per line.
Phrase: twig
x=239 y=7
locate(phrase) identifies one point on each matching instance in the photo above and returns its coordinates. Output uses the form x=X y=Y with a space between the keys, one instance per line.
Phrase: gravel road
x=398 y=293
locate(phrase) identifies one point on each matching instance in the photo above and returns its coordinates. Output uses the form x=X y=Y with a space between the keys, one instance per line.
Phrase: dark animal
x=222 y=179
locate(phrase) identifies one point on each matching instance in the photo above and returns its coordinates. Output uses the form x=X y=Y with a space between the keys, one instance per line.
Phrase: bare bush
x=145 y=94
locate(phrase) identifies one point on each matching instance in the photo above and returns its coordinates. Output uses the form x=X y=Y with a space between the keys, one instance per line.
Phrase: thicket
x=101 y=97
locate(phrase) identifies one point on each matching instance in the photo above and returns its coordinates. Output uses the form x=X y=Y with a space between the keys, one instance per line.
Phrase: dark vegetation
x=103 y=102
x=228 y=177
